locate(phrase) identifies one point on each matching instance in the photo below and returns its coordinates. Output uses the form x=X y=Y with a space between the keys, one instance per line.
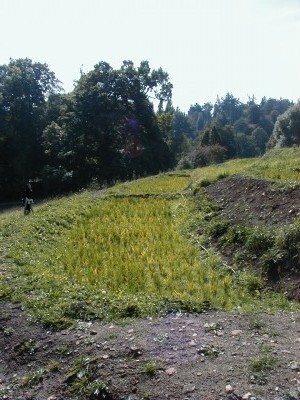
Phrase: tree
x=223 y=137
x=24 y=89
x=286 y=131
x=111 y=129
x=245 y=146
x=227 y=110
x=260 y=138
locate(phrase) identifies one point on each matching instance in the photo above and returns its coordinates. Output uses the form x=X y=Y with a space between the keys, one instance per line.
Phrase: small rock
x=52 y=398
x=93 y=332
x=135 y=351
x=192 y=343
x=171 y=371
x=189 y=388
x=296 y=381
x=228 y=389
x=246 y=396
x=236 y=332
x=294 y=365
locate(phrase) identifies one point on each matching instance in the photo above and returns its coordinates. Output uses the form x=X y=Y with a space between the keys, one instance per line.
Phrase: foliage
x=24 y=88
x=110 y=128
x=106 y=129
x=287 y=128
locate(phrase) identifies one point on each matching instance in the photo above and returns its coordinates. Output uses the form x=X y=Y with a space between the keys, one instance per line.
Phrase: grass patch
x=152 y=366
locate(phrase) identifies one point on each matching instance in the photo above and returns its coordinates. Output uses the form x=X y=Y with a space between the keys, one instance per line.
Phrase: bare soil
x=212 y=356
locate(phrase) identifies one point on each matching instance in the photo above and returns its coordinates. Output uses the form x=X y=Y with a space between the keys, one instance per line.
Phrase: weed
x=152 y=366
x=235 y=235
x=83 y=381
x=26 y=346
x=288 y=242
x=264 y=362
x=64 y=350
x=8 y=331
x=259 y=240
x=257 y=325
x=33 y=378
x=53 y=366
x=209 y=350
x=253 y=283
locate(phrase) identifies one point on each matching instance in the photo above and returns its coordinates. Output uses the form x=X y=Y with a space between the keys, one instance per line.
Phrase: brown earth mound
x=256 y=202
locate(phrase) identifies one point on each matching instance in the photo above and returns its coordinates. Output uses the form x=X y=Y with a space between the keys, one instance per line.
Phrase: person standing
x=28 y=200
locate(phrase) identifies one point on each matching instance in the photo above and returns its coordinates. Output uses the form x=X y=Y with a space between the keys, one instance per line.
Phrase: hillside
x=64 y=335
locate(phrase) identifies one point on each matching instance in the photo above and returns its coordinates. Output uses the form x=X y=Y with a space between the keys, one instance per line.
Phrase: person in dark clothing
x=28 y=191
x=27 y=199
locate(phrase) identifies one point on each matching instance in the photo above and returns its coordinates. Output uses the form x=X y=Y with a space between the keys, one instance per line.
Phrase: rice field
x=118 y=253
x=159 y=184
x=134 y=246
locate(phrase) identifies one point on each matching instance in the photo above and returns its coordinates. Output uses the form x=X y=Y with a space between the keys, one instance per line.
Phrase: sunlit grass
x=281 y=165
x=162 y=183
x=214 y=172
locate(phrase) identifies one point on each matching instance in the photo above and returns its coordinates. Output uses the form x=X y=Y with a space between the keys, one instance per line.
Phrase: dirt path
x=191 y=357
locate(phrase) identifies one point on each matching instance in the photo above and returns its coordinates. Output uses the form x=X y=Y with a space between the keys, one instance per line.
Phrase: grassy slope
x=120 y=254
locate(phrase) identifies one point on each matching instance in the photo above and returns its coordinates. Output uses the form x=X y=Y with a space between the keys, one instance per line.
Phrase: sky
x=208 y=47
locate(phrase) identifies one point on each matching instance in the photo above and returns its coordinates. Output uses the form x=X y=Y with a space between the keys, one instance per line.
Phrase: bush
x=236 y=234
x=288 y=242
x=259 y=241
x=218 y=227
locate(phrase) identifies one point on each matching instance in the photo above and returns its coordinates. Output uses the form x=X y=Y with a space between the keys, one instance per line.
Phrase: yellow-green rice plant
x=159 y=184
x=134 y=246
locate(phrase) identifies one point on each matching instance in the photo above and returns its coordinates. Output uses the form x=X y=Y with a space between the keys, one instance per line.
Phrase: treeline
x=106 y=129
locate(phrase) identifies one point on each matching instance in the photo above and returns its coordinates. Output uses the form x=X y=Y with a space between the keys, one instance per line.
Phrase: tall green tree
x=286 y=131
x=227 y=110
x=110 y=126
x=24 y=89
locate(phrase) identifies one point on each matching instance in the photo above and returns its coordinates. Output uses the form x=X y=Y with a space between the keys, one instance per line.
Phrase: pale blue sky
x=208 y=47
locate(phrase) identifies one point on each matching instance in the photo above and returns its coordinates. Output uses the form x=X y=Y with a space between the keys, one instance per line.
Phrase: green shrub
x=218 y=227
x=288 y=242
x=259 y=240
x=235 y=234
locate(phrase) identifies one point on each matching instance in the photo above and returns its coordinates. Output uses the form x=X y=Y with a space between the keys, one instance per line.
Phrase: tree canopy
x=107 y=129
